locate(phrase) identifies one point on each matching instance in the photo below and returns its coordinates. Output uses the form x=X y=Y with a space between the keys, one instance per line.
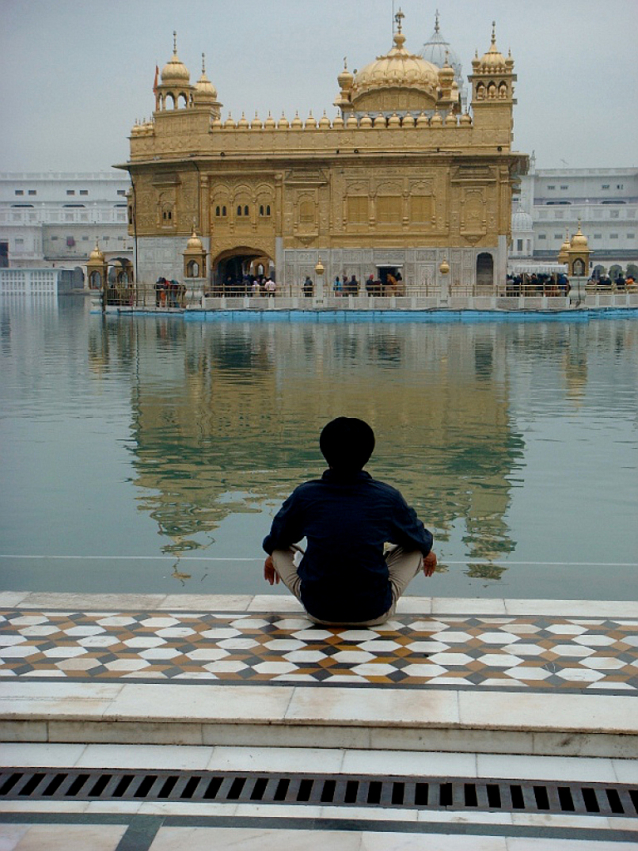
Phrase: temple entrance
x=391 y=278
x=485 y=272
x=234 y=271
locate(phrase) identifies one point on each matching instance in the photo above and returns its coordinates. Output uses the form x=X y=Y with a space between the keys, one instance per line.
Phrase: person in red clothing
x=364 y=543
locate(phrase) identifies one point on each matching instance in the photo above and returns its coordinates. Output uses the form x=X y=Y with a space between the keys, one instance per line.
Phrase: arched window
x=246 y=210
x=218 y=211
x=223 y=211
x=239 y=209
x=95 y=281
x=192 y=269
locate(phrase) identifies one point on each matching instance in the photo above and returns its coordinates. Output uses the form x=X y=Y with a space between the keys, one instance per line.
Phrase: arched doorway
x=485 y=272
x=234 y=270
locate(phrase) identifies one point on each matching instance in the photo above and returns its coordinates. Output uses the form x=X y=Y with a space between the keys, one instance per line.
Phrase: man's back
x=346 y=518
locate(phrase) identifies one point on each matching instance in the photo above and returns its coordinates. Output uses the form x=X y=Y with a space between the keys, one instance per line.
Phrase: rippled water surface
x=149 y=454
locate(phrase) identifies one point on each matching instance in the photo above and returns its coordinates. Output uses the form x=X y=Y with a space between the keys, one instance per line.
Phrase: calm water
x=150 y=454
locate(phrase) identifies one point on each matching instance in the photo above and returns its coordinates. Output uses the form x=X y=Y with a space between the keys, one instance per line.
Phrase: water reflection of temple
x=226 y=418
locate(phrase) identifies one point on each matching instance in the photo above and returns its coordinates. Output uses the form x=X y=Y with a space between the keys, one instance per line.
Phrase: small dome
x=194 y=243
x=345 y=78
x=352 y=122
x=297 y=123
x=450 y=119
x=242 y=124
x=394 y=120
x=380 y=121
x=446 y=75
x=408 y=120
x=422 y=120
x=437 y=50
x=521 y=221
x=269 y=123
x=175 y=72
x=493 y=60
x=366 y=121
x=205 y=91
x=96 y=256
x=466 y=118
x=256 y=124
x=436 y=120
x=229 y=124
x=579 y=240
x=324 y=121
x=217 y=123
x=283 y=123
x=338 y=122
x=311 y=122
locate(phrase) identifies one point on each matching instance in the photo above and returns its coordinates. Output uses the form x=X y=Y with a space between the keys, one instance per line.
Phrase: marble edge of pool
x=281 y=604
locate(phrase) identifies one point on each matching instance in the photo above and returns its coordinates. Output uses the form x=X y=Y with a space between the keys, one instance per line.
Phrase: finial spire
x=399 y=18
x=345 y=63
x=175 y=42
x=436 y=22
x=203 y=63
x=493 y=32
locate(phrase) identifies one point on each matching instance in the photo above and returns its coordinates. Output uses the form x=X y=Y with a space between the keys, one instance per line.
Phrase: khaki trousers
x=403 y=567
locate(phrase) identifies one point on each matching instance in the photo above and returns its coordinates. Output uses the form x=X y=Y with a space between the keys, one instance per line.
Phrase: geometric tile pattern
x=411 y=651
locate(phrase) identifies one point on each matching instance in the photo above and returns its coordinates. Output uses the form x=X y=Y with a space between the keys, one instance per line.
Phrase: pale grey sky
x=77 y=73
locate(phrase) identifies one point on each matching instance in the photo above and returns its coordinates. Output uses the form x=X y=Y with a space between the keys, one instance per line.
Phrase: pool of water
x=150 y=453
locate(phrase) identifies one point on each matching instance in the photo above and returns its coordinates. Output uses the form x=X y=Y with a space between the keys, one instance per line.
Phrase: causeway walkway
x=134 y=722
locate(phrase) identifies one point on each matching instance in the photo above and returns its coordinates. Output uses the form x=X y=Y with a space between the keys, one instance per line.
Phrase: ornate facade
x=401 y=179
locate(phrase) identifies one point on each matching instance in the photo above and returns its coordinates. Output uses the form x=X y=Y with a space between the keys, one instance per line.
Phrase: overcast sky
x=78 y=73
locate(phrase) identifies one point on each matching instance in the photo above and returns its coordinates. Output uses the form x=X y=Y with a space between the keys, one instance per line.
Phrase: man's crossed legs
x=403 y=567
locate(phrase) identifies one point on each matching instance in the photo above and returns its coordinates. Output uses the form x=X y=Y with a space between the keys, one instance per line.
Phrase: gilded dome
x=493 y=60
x=194 y=243
x=96 y=256
x=205 y=91
x=175 y=72
x=397 y=69
x=579 y=240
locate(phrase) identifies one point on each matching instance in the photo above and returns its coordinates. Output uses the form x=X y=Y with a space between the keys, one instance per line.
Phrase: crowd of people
x=169 y=293
x=389 y=285
x=246 y=285
x=619 y=285
x=538 y=284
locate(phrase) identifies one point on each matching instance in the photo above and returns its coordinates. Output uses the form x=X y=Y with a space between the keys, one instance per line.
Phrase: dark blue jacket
x=346 y=521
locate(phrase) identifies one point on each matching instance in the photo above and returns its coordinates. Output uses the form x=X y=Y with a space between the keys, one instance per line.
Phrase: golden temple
x=403 y=179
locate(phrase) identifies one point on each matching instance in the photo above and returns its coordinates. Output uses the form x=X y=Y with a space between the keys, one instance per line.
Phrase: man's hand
x=270 y=574
x=429 y=563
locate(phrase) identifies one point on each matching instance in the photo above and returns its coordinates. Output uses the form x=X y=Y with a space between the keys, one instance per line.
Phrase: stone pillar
x=319 y=283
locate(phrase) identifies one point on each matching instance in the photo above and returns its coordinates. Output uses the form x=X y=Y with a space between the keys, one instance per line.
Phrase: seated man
x=348 y=574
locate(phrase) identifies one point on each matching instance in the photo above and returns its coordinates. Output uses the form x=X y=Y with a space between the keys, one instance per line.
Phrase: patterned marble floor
x=565 y=654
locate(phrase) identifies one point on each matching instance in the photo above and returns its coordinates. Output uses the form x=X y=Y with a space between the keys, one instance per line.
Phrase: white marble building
x=54 y=219
x=553 y=201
